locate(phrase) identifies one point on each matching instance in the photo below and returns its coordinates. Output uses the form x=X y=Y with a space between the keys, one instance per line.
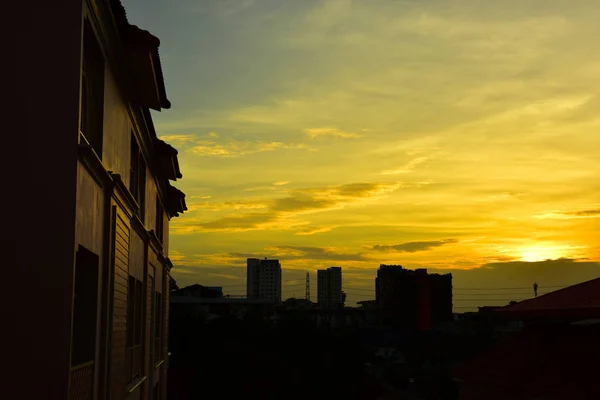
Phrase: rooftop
x=581 y=300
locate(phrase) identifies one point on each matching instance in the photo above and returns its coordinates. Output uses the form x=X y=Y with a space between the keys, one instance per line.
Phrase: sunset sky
x=449 y=135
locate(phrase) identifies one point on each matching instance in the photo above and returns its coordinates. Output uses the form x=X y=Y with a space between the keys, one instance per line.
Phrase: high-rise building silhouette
x=329 y=287
x=413 y=300
x=263 y=279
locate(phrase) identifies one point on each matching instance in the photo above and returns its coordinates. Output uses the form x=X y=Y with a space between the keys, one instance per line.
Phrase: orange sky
x=444 y=135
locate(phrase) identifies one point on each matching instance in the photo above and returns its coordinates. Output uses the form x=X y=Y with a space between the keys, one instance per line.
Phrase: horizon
x=457 y=137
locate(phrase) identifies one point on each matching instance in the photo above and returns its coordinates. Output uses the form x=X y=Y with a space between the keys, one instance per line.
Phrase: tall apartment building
x=94 y=249
x=413 y=300
x=329 y=287
x=263 y=279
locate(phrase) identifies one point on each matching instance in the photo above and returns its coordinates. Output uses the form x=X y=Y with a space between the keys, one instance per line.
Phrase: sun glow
x=533 y=254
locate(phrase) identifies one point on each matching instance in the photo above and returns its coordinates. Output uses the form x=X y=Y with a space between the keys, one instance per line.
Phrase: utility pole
x=307 y=286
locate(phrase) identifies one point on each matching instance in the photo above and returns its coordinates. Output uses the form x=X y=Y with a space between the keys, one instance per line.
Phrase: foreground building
x=329 y=287
x=413 y=300
x=263 y=279
x=100 y=231
x=553 y=357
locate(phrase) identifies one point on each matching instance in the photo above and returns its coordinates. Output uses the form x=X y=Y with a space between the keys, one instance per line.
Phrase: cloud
x=413 y=247
x=241 y=148
x=228 y=205
x=311 y=230
x=320 y=132
x=179 y=140
x=240 y=222
x=286 y=253
x=592 y=213
x=408 y=167
x=557 y=272
x=281 y=183
x=283 y=213
x=584 y=213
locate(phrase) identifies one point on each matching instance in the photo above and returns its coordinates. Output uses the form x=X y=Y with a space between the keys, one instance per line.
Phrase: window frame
x=91 y=113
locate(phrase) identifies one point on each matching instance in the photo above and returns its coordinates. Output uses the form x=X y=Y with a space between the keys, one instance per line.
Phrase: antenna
x=307 y=286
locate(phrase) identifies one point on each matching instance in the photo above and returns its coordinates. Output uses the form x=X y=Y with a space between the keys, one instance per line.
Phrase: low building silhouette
x=199 y=291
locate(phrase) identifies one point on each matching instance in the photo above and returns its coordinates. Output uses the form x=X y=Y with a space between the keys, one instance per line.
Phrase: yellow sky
x=447 y=135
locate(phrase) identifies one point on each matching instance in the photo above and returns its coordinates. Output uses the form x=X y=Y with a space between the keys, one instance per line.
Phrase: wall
x=89 y=222
x=166 y=235
x=43 y=61
x=117 y=130
x=89 y=233
x=151 y=192
x=119 y=330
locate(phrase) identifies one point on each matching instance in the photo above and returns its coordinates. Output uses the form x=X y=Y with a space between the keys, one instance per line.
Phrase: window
x=85 y=298
x=92 y=91
x=137 y=176
x=133 y=359
x=159 y=220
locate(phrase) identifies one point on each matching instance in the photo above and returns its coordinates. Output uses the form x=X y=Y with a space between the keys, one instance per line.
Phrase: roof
x=199 y=291
x=163 y=147
x=176 y=204
x=128 y=32
x=581 y=300
x=551 y=362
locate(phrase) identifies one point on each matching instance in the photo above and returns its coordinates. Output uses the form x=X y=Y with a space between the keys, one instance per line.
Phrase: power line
x=491 y=294
x=508 y=288
x=482 y=300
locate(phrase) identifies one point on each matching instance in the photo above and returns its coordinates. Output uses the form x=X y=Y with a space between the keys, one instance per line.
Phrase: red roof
x=581 y=300
x=550 y=362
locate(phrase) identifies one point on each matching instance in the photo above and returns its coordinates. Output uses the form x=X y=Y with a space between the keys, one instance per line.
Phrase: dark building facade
x=97 y=240
x=329 y=287
x=413 y=300
x=263 y=279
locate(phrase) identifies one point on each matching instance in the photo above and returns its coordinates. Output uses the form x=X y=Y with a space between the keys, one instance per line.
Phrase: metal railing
x=82 y=381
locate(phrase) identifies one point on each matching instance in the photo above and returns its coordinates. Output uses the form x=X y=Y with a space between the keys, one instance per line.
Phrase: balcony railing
x=82 y=381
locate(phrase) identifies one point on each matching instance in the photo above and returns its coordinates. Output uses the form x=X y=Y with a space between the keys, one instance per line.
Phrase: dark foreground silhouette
x=230 y=358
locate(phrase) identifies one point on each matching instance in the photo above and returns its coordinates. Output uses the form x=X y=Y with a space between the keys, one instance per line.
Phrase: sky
x=457 y=136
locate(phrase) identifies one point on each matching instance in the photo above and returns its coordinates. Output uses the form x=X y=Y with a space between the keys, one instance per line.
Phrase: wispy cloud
x=406 y=168
x=307 y=253
x=241 y=148
x=314 y=133
x=283 y=212
x=312 y=230
x=413 y=247
x=594 y=213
